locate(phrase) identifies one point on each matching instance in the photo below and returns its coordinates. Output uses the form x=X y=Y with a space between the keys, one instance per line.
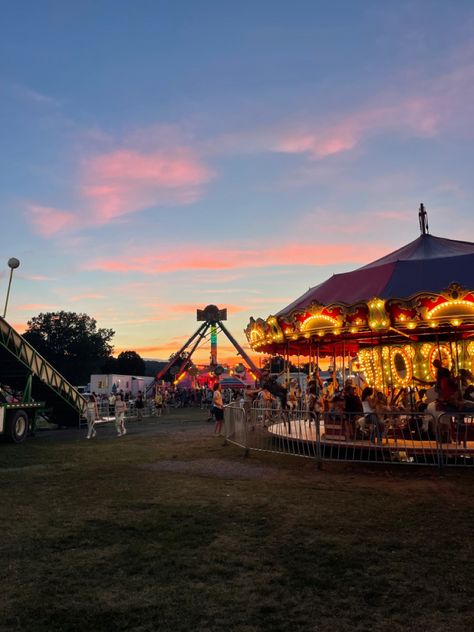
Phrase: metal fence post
x=439 y=448
x=319 y=460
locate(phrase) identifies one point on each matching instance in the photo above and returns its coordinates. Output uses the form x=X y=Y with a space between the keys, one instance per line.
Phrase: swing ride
x=212 y=319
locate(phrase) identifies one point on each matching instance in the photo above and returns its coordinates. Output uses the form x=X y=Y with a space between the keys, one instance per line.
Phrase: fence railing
x=392 y=437
x=106 y=412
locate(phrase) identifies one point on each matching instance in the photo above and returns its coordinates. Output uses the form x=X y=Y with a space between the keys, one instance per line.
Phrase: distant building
x=103 y=384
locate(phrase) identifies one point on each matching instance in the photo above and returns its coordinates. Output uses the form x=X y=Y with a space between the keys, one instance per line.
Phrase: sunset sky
x=158 y=156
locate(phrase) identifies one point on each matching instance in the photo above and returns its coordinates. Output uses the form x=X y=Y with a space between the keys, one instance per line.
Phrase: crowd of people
x=362 y=410
x=365 y=412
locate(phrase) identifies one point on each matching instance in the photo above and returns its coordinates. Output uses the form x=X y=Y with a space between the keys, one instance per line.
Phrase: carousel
x=387 y=323
x=389 y=320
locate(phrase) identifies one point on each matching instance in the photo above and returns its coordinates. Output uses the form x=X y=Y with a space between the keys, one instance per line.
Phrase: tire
x=17 y=426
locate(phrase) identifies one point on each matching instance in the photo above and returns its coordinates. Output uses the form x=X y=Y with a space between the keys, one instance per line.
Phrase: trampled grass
x=167 y=529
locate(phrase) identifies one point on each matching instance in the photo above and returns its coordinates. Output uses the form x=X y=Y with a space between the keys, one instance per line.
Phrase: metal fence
x=445 y=439
x=106 y=413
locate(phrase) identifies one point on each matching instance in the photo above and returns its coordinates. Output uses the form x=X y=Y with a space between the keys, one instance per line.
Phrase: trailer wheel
x=17 y=426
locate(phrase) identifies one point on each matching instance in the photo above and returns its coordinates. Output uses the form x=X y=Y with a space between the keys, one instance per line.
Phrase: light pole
x=12 y=264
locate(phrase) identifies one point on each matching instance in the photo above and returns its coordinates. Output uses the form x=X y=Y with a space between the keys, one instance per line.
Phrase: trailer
x=39 y=388
x=17 y=419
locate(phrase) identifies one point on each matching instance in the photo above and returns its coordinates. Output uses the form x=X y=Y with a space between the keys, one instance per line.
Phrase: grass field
x=168 y=529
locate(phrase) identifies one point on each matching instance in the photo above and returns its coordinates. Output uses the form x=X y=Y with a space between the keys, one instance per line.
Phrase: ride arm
x=166 y=368
x=251 y=365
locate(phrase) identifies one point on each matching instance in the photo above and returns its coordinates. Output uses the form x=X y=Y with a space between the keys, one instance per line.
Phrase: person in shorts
x=92 y=414
x=158 y=403
x=120 y=408
x=217 y=408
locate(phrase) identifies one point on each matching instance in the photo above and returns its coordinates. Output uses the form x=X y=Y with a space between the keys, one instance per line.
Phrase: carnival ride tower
x=211 y=318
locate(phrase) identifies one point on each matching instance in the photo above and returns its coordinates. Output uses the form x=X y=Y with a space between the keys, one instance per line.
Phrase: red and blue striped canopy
x=427 y=264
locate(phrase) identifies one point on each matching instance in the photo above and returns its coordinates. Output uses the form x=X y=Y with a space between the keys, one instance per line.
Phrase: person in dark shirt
x=277 y=390
x=139 y=405
x=445 y=384
x=352 y=403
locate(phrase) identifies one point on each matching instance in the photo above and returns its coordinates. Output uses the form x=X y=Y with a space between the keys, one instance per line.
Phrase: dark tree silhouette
x=71 y=342
x=130 y=363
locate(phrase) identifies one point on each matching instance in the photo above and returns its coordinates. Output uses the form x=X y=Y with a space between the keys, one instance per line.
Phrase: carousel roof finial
x=423 y=217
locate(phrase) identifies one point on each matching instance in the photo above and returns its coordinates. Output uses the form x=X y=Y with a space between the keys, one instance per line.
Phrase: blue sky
x=159 y=156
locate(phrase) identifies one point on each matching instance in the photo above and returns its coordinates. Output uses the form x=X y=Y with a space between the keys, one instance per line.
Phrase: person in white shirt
x=92 y=414
x=120 y=408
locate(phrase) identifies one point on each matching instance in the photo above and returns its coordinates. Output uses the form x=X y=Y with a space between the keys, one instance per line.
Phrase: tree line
x=77 y=348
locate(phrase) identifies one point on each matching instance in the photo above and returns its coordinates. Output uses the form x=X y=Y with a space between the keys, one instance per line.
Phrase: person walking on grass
x=139 y=405
x=158 y=403
x=217 y=408
x=120 y=408
x=92 y=414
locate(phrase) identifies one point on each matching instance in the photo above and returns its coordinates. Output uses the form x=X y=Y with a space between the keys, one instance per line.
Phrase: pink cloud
x=231 y=258
x=35 y=307
x=415 y=116
x=81 y=297
x=119 y=182
x=48 y=220
x=38 y=277
x=190 y=308
x=332 y=222
x=126 y=181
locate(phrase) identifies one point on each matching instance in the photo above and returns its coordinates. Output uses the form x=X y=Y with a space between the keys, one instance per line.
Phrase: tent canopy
x=428 y=264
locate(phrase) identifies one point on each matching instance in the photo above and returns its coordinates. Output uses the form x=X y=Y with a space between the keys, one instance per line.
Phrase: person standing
x=218 y=408
x=112 y=404
x=92 y=414
x=139 y=405
x=158 y=403
x=120 y=408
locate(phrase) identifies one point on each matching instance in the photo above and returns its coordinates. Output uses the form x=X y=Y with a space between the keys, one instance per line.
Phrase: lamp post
x=12 y=264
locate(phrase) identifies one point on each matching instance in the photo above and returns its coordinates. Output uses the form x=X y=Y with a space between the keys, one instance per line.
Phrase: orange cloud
x=192 y=258
x=27 y=307
x=19 y=327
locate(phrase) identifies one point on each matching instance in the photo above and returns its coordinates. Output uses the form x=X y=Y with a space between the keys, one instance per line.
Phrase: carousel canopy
x=424 y=289
x=428 y=264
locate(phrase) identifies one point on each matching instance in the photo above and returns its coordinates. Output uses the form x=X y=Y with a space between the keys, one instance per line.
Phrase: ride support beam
x=187 y=360
x=230 y=337
x=165 y=369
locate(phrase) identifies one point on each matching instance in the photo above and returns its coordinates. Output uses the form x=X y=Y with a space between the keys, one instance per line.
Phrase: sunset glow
x=228 y=158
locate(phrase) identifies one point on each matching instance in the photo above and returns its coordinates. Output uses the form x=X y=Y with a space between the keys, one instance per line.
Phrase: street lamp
x=13 y=263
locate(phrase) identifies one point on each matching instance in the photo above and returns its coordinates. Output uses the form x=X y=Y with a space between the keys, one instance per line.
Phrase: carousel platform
x=305 y=432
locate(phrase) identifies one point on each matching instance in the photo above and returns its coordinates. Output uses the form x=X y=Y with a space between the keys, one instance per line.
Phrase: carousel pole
x=391 y=374
x=439 y=348
x=317 y=359
x=343 y=363
x=414 y=386
x=456 y=342
x=454 y=362
x=381 y=364
x=299 y=366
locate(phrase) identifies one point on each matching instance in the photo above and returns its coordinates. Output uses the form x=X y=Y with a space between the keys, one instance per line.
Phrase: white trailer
x=104 y=384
